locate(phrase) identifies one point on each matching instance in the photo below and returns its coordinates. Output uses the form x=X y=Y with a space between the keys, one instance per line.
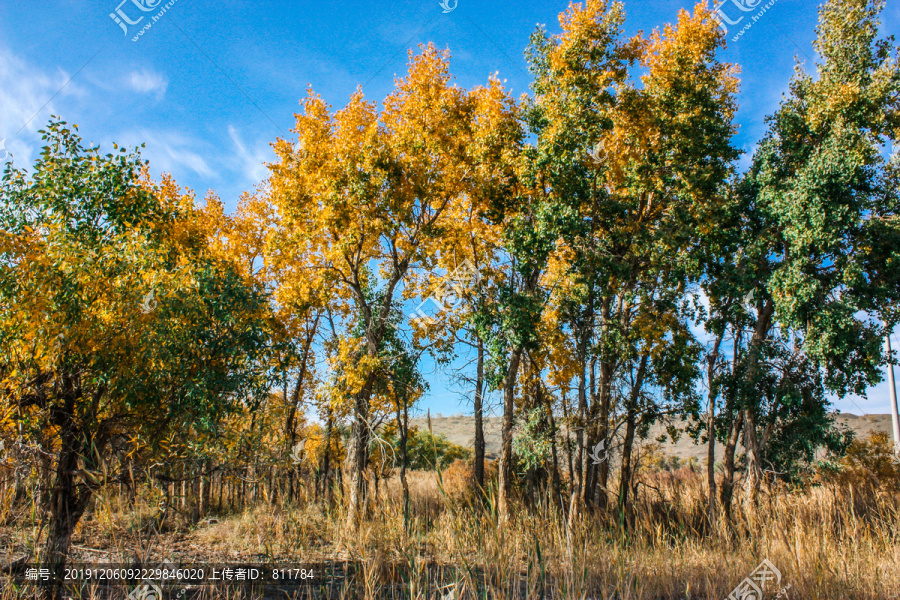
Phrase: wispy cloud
x=25 y=93
x=148 y=82
x=251 y=161
x=170 y=151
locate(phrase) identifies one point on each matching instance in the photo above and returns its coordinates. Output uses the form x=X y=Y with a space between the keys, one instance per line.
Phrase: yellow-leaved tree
x=366 y=197
x=116 y=322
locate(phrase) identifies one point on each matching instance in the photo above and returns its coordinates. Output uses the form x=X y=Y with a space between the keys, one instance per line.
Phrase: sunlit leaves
x=112 y=307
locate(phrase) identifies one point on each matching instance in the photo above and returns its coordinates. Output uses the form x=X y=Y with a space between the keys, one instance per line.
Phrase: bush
x=458 y=479
x=873 y=460
x=426 y=450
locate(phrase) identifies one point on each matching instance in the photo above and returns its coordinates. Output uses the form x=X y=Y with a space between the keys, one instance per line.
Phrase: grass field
x=837 y=539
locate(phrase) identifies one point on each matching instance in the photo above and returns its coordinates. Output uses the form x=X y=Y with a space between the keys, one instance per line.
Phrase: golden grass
x=836 y=541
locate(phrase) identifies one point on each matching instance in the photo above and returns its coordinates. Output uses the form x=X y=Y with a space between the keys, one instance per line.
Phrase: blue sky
x=210 y=85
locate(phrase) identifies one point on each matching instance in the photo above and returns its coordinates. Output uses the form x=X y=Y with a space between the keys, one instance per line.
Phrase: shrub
x=426 y=450
x=873 y=460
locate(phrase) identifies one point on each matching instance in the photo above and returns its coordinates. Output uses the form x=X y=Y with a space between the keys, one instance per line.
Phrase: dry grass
x=836 y=541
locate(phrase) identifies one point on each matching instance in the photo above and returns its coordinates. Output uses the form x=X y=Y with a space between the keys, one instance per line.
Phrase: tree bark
x=556 y=480
x=358 y=456
x=625 y=512
x=403 y=426
x=606 y=374
x=727 y=488
x=590 y=469
x=331 y=450
x=711 y=508
x=204 y=487
x=67 y=504
x=712 y=512
x=754 y=459
x=479 y=420
x=580 y=429
x=625 y=508
x=506 y=474
x=751 y=441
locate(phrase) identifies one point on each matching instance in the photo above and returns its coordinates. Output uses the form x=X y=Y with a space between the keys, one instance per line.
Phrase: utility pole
x=895 y=419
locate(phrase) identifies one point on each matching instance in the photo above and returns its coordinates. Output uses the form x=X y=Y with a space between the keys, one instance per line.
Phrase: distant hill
x=461 y=430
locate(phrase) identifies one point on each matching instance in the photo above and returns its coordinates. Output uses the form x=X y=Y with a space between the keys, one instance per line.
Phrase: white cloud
x=28 y=96
x=251 y=161
x=169 y=151
x=147 y=82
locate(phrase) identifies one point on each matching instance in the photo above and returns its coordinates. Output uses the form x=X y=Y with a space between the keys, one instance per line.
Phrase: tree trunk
x=556 y=480
x=506 y=474
x=625 y=509
x=590 y=435
x=221 y=489
x=754 y=458
x=711 y=431
x=578 y=473
x=358 y=457
x=579 y=430
x=295 y=399
x=204 y=488
x=403 y=426
x=326 y=459
x=606 y=374
x=67 y=504
x=751 y=441
x=479 y=420
x=712 y=512
x=626 y=513
x=725 y=492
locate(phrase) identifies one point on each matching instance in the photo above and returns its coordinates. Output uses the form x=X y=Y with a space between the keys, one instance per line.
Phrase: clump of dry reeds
x=834 y=539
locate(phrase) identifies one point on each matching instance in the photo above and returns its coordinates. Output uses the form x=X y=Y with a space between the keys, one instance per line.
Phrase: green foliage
x=117 y=326
x=804 y=272
x=670 y=462
x=105 y=284
x=533 y=445
x=427 y=450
